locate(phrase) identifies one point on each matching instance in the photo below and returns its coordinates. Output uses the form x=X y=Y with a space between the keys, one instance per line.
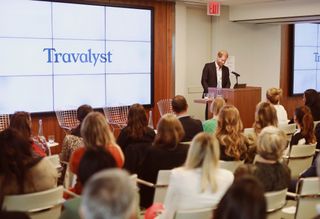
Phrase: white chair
x=117 y=116
x=248 y=131
x=67 y=119
x=230 y=165
x=165 y=106
x=39 y=205
x=300 y=158
x=161 y=185
x=275 y=202
x=203 y=213
x=289 y=129
x=55 y=160
x=4 y=121
x=307 y=198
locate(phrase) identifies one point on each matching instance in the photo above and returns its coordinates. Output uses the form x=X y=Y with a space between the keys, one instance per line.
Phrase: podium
x=245 y=99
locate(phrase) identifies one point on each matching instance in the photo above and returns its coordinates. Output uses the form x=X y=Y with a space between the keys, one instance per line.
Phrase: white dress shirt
x=219 y=75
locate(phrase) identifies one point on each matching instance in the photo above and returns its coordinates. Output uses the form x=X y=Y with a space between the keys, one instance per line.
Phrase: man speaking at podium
x=215 y=74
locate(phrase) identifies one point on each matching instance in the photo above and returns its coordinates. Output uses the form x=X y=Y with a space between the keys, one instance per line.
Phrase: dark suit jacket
x=209 y=77
x=191 y=127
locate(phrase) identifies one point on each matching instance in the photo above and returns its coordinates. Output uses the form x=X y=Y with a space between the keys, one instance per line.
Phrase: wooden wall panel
x=163 y=61
x=290 y=103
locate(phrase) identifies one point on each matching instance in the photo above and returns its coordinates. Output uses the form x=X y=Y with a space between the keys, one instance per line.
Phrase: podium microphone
x=235 y=73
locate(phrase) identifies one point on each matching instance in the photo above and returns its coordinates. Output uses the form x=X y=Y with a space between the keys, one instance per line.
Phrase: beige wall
x=256 y=48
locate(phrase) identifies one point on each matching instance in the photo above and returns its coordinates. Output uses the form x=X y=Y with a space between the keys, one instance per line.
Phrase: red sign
x=213 y=8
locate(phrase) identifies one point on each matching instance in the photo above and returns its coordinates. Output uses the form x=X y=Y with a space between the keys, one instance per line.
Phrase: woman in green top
x=210 y=125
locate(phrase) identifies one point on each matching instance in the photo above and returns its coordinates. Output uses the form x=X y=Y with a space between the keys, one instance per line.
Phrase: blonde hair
x=96 y=131
x=265 y=115
x=204 y=153
x=222 y=53
x=169 y=131
x=273 y=95
x=229 y=132
x=271 y=143
x=216 y=105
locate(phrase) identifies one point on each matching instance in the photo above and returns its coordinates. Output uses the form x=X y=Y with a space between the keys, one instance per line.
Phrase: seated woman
x=305 y=133
x=265 y=115
x=273 y=174
x=200 y=183
x=243 y=200
x=74 y=141
x=311 y=99
x=273 y=96
x=21 y=121
x=210 y=125
x=233 y=143
x=96 y=133
x=20 y=171
x=93 y=161
x=137 y=130
x=165 y=153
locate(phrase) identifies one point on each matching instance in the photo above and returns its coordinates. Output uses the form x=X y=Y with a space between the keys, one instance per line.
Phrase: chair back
x=67 y=119
x=203 y=213
x=117 y=116
x=300 y=158
x=308 y=197
x=39 y=205
x=165 y=106
x=289 y=129
x=275 y=202
x=230 y=165
x=161 y=186
x=4 y=121
x=315 y=123
x=248 y=131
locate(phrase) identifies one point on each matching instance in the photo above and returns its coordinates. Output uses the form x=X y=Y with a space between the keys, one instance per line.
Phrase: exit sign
x=213 y=8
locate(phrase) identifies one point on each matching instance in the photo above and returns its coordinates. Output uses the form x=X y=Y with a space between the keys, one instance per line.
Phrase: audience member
x=21 y=121
x=96 y=133
x=233 y=143
x=273 y=174
x=312 y=100
x=200 y=183
x=273 y=97
x=109 y=194
x=166 y=153
x=137 y=130
x=244 y=200
x=69 y=145
x=305 y=133
x=93 y=161
x=210 y=125
x=265 y=115
x=191 y=126
x=20 y=171
x=82 y=112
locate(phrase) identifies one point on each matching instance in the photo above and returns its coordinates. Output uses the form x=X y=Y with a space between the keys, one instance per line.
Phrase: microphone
x=235 y=73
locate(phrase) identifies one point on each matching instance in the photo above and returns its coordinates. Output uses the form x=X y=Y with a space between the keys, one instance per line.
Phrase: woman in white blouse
x=200 y=183
x=273 y=96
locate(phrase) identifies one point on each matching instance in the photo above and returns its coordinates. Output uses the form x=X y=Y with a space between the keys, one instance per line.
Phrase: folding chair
x=38 y=205
x=67 y=119
x=275 y=202
x=117 y=116
x=307 y=197
x=203 y=213
x=300 y=158
x=161 y=185
x=165 y=106
x=289 y=129
x=230 y=165
x=4 y=121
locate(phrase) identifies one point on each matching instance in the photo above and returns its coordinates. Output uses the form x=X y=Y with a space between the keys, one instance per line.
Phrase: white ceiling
x=241 y=2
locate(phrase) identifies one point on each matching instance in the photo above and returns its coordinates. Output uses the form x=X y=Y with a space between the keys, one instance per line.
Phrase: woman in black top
x=312 y=100
x=305 y=134
x=137 y=130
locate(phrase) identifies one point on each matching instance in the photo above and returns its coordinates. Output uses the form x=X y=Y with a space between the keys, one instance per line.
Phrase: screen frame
x=152 y=29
